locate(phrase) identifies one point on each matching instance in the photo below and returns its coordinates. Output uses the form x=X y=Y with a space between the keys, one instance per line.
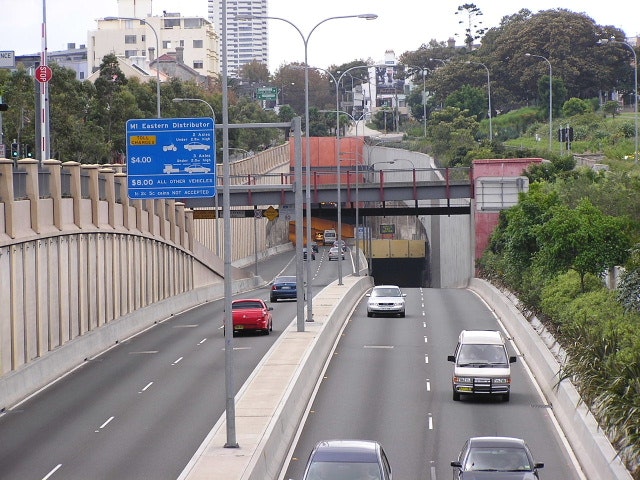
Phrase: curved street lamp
x=305 y=41
x=215 y=198
x=550 y=95
x=338 y=169
x=489 y=94
x=157 y=54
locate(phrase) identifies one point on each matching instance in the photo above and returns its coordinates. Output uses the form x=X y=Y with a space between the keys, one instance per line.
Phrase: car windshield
x=474 y=354
x=497 y=459
x=386 y=292
x=244 y=305
x=343 y=471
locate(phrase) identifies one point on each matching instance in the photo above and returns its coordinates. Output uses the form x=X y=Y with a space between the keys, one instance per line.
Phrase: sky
x=400 y=27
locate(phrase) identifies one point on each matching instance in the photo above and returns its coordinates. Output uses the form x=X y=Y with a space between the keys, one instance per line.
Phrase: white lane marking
x=177 y=361
x=424 y=314
x=430 y=422
x=433 y=473
x=146 y=387
x=425 y=339
x=377 y=346
x=186 y=326
x=144 y=352
x=107 y=422
x=426 y=358
x=424 y=324
x=428 y=385
x=202 y=341
x=48 y=475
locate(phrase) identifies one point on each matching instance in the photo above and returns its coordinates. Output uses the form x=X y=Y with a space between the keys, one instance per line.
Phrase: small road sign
x=267 y=93
x=171 y=158
x=7 y=59
x=43 y=73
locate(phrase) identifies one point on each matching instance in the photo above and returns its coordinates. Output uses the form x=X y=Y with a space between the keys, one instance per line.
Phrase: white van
x=481 y=365
x=330 y=237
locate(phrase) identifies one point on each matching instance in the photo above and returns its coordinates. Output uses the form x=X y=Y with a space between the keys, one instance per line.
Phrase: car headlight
x=505 y=380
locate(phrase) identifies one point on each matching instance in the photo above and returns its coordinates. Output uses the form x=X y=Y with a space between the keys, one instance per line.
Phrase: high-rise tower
x=247 y=40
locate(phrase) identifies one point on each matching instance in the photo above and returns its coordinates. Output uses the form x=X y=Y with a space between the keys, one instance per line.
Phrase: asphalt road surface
x=389 y=380
x=141 y=410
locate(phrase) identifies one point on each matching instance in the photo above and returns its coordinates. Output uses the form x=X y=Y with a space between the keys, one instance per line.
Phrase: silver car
x=335 y=253
x=386 y=300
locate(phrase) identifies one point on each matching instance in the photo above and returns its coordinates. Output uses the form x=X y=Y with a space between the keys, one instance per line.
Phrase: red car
x=251 y=314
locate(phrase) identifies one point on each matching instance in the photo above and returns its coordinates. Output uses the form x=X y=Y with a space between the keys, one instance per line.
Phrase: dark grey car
x=348 y=460
x=495 y=458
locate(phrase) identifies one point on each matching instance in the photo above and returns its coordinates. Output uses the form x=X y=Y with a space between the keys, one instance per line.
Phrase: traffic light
x=15 y=151
x=27 y=151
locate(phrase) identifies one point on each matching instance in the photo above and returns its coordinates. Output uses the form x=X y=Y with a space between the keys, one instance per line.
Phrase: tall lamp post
x=550 y=95
x=215 y=198
x=157 y=54
x=305 y=41
x=635 y=88
x=489 y=94
x=338 y=169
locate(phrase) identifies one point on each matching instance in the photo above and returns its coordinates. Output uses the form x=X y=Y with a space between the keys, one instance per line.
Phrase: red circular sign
x=43 y=74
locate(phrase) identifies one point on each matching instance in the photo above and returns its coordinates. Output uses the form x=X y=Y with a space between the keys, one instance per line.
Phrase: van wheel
x=456 y=396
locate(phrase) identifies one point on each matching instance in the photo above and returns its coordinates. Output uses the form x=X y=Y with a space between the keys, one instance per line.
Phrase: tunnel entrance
x=404 y=272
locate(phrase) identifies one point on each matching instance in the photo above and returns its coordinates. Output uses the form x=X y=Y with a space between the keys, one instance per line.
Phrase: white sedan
x=386 y=300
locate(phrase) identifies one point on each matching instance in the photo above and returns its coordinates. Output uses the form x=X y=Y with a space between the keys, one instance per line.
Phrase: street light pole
x=338 y=169
x=157 y=54
x=635 y=89
x=489 y=94
x=550 y=96
x=305 y=41
x=424 y=96
x=215 y=198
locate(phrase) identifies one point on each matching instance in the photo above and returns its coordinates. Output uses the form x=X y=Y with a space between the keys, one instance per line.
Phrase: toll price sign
x=171 y=158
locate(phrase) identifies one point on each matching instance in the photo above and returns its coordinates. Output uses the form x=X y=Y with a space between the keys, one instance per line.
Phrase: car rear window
x=386 y=292
x=245 y=305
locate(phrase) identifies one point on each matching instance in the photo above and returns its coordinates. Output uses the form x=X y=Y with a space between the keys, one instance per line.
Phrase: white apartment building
x=247 y=40
x=136 y=33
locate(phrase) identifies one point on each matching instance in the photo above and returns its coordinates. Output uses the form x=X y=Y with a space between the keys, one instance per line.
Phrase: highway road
x=389 y=380
x=141 y=409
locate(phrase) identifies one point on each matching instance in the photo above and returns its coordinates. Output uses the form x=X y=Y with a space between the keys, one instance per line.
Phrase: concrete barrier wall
x=78 y=259
x=272 y=402
x=592 y=448
x=16 y=385
x=267 y=461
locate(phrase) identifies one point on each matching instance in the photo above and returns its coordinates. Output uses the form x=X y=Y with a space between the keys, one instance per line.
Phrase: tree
x=582 y=239
x=576 y=106
x=472 y=99
x=611 y=107
x=473 y=29
x=254 y=72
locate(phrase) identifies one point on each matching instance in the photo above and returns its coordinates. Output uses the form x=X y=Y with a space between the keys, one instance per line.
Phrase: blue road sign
x=171 y=158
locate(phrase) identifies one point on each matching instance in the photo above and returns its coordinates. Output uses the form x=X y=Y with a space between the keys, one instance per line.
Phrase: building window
x=166 y=44
x=171 y=22
x=130 y=39
x=198 y=64
x=130 y=53
x=192 y=22
x=198 y=44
